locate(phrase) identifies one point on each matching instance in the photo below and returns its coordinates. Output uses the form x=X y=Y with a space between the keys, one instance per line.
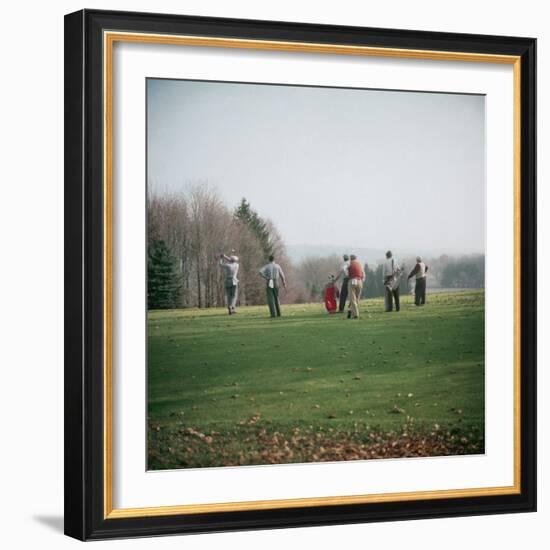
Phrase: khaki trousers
x=354 y=292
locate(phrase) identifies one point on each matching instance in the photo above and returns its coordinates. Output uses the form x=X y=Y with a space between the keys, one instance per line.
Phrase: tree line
x=188 y=231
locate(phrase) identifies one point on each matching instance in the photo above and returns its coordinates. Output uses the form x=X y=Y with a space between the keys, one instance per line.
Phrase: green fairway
x=219 y=385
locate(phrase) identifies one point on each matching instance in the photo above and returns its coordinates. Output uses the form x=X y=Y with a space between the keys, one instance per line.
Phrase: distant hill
x=298 y=252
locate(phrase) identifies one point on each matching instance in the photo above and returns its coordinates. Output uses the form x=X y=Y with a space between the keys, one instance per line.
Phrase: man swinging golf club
x=230 y=267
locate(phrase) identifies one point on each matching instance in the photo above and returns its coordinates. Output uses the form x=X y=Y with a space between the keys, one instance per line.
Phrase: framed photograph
x=300 y=274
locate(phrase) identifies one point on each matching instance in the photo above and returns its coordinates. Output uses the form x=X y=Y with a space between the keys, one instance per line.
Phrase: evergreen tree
x=249 y=217
x=163 y=288
x=373 y=287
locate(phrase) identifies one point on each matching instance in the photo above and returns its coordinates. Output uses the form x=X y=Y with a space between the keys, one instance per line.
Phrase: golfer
x=344 y=274
x=273 y=275
x=419 y=273
x=355 y=285
x=391 y=276
x=230 y=267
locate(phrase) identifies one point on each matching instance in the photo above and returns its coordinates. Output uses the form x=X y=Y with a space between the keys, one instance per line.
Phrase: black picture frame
x=84 y=281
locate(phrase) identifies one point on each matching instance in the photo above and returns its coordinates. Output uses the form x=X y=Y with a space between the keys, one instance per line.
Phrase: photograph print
x=315 y=274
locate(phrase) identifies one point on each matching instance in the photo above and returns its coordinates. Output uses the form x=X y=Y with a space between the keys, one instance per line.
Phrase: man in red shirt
x=355 y=285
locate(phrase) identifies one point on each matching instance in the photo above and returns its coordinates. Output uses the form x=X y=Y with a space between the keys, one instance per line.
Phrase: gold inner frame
x=109 y=39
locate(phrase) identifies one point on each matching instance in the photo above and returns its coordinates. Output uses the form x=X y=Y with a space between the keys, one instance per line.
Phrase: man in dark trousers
x=272 y=273
x=391 y=277
x=344 y=275
x=419 y=272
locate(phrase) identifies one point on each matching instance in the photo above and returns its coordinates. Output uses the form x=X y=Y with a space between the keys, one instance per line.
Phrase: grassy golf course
x=248 y=389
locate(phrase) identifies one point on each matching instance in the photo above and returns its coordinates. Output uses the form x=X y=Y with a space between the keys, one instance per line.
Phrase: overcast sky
x=344 y=167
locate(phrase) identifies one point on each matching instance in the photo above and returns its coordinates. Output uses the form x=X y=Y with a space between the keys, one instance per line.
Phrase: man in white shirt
x=230 y=267
x=391 y=276
x=273 y=273
x=344 y=275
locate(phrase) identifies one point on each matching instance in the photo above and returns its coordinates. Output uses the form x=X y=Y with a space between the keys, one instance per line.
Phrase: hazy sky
x=367 y=168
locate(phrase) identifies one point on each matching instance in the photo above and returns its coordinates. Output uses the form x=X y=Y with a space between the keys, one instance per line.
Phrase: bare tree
x=312 y=275
x=197 y=226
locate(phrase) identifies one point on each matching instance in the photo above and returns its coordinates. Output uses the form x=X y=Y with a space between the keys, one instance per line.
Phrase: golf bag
x=394 y=281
